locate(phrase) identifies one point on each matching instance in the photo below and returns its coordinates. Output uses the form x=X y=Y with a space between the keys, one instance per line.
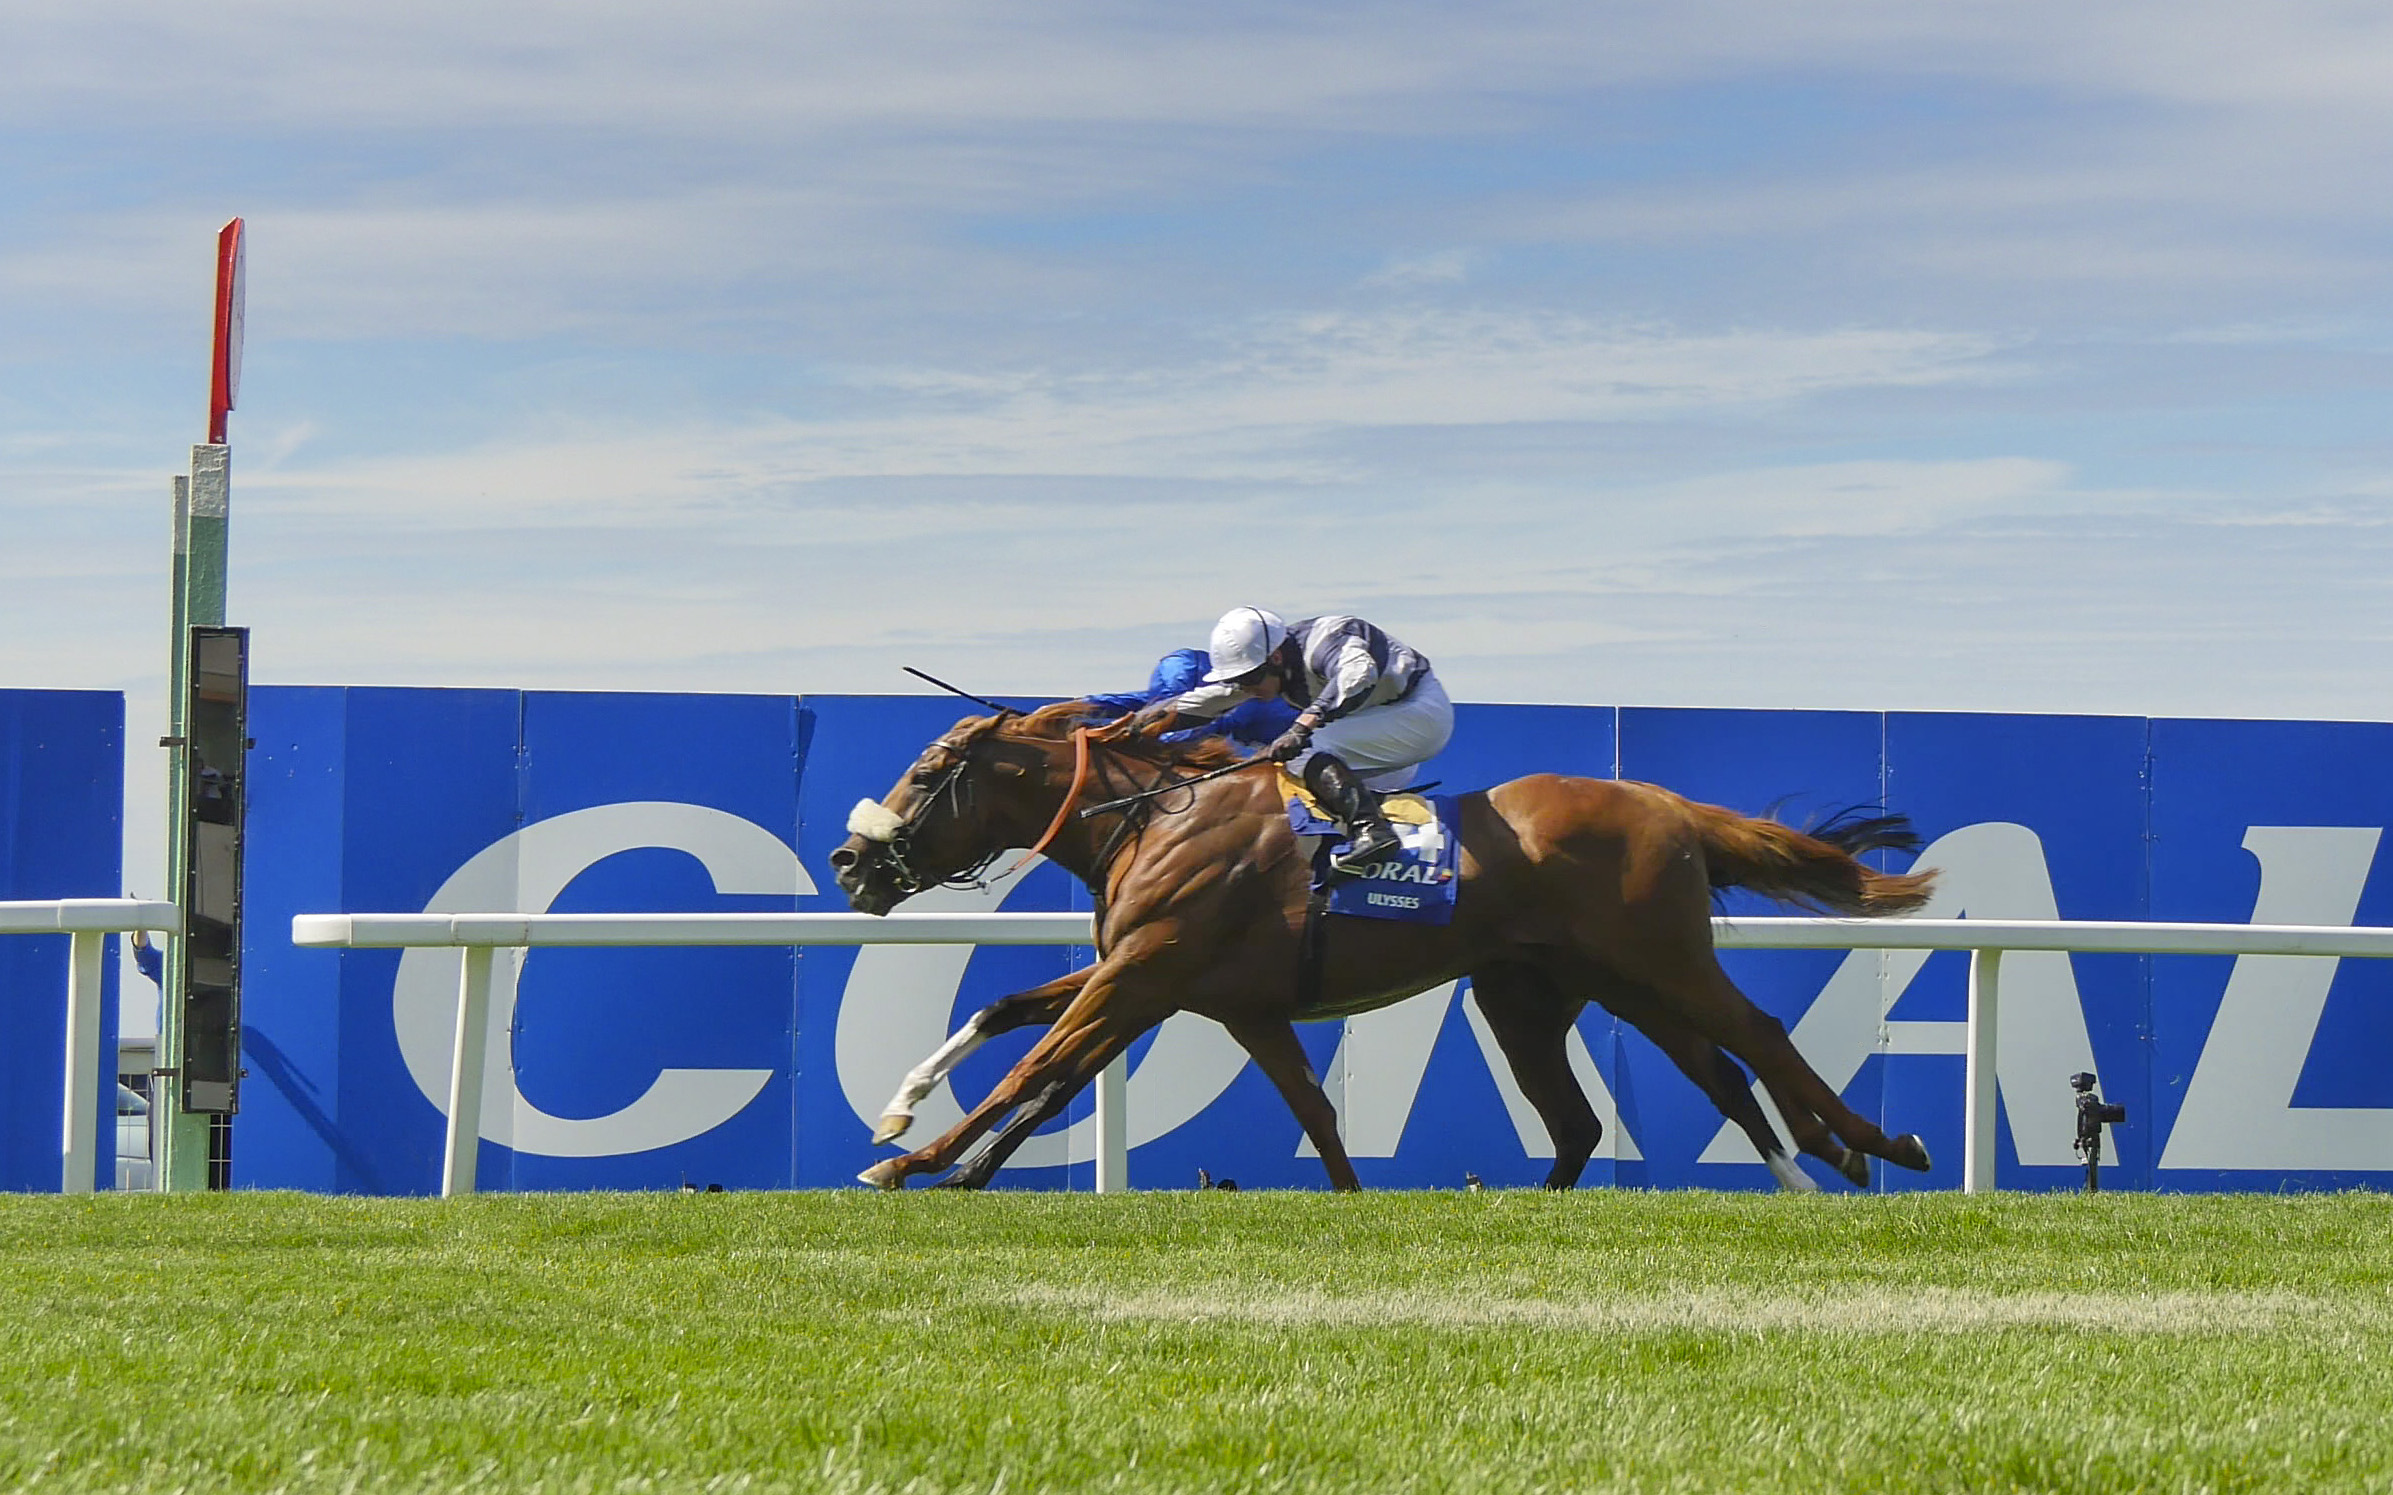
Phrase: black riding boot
x=1369 y=837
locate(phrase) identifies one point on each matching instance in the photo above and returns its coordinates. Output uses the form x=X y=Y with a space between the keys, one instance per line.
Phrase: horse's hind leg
x=1694 y=988
x=1811 y=1134
x=1764 y=1044
x=1531 y=1020
x=1719 y=1078
x=1283 y=1059
x=1730 y=1089
x=1042 y=1004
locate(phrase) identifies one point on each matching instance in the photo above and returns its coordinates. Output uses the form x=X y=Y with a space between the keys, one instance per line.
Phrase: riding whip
x=951 y=690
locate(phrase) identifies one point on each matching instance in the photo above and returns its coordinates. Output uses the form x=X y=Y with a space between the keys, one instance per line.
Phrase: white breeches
x=1385 y=744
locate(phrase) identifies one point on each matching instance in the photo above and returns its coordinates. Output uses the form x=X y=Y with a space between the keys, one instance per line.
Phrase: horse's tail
x=1819 y=868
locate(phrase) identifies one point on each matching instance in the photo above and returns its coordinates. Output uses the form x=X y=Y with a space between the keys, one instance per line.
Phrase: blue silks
x=1255 y=723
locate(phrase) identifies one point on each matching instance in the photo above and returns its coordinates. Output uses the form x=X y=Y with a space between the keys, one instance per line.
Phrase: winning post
x=199 y=1021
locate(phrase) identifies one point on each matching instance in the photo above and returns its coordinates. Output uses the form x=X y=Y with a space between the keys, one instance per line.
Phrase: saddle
x=1417 y=885
x=1405 y=807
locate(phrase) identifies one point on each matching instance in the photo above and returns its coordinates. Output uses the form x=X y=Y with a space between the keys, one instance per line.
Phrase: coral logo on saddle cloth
x=1415 y=886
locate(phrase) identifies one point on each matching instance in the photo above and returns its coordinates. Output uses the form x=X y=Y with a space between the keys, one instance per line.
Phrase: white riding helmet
x=1242 y=640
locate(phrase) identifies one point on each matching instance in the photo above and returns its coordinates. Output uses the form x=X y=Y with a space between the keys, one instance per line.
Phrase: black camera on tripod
x=2093 y=1114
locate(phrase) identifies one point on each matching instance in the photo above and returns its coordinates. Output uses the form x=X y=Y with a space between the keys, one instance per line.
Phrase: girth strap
x=1312 y=946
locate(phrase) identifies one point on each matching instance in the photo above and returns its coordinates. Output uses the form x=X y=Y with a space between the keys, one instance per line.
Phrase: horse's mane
x=1056 y=723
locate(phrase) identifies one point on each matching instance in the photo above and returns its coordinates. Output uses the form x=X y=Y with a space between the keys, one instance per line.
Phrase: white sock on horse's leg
x=1790 y=1178
x=898 y=1115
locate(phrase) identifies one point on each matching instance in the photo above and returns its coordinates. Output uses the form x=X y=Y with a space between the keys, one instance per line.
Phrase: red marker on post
x=224 y=382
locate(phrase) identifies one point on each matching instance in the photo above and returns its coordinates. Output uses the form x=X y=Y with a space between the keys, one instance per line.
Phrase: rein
x=1143 y=795
x=1081 y=763
x=1063 y=812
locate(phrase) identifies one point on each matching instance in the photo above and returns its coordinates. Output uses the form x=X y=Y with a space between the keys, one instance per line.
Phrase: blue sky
x=1852 y=354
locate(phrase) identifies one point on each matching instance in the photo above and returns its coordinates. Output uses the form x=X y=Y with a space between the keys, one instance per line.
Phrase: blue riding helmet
x=1177 y=673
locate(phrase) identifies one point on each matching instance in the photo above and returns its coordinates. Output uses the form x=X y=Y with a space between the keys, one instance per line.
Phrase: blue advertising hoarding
x=757 y=1068
x=62 y=786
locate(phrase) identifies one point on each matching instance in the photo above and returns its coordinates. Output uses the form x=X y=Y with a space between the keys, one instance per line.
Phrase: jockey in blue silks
x=1255 y=723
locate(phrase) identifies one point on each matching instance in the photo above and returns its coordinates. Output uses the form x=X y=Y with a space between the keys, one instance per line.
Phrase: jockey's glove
x=1151 y=719
x=1291 y=743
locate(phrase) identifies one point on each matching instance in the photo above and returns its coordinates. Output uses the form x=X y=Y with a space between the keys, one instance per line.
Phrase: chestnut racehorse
x=1572 y=890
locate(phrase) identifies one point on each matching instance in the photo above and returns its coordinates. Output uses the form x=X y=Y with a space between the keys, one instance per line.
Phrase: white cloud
x=1444 y=267
x=827 y=65
x=1249 y=405
x=1032 y=268
x=686 y=176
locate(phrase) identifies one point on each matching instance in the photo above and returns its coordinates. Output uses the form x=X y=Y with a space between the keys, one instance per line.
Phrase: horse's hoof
x=958 y=1180
x=886 y=1174
x=1856 y=1167
x=893 y=1126
x=1909 y=1152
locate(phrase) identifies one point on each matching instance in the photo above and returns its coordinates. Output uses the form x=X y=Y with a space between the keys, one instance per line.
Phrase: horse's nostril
x=843 y=859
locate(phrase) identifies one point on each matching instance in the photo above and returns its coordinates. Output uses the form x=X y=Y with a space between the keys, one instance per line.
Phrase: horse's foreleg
x=892 y=1173
x=1042 y=1004
x=1531 y=1020
x=1282 y=1058
x=1027 y=1078
x=1048 y=1078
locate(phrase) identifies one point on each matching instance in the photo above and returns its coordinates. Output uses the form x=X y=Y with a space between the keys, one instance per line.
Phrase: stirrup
x=1371 y=843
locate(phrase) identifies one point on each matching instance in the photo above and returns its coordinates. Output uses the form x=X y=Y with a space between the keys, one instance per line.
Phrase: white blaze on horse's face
x=875 y=822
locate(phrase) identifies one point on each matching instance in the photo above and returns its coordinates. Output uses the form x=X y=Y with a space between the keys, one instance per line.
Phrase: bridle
x=896 y=846
x=1135 y=811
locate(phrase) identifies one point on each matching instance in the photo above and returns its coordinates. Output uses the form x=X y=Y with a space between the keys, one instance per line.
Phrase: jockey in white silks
x=1371 y=712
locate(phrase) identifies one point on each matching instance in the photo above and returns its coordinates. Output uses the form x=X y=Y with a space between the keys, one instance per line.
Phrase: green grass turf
x=1499 y=1341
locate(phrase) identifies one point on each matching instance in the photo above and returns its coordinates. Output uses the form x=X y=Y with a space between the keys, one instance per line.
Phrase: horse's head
x=943 y=823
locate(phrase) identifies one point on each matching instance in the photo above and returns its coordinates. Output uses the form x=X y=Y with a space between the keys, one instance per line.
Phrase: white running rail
x=481 y=934
x=1986 y=940
x=88 y=922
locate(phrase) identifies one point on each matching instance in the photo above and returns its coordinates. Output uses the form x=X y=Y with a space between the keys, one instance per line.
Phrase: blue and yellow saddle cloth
x=1416 y=885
